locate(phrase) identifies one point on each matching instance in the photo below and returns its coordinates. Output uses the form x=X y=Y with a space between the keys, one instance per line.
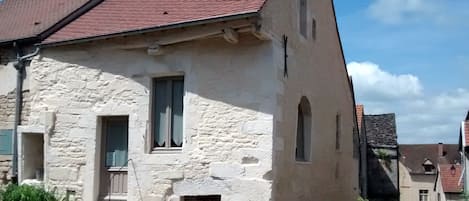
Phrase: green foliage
x=26 y=193
x=383 y=155
x=361 y=199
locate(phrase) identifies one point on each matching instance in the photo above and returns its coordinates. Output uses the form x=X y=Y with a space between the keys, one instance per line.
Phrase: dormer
x=428 y=166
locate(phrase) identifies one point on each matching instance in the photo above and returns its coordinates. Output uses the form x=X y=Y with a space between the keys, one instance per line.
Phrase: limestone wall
x=315 y=68
x=228 y=113
x=7 y=102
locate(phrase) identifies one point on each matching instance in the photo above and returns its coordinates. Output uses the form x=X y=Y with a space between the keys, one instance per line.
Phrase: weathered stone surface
x=226 y=170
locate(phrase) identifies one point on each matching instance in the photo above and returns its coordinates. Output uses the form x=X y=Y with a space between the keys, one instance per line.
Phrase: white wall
x=228 y=112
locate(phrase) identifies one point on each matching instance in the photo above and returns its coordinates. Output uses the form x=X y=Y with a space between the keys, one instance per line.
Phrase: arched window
x=303 y=131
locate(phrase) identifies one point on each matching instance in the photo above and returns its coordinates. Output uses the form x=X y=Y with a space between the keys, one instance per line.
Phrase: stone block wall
x=7 y=109
x=7 y=119
x=228 y=118
x=5 y=169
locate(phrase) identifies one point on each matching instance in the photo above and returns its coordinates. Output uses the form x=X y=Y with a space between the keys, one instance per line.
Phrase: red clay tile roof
x=27 y=18
x=450 y=182
x=117 y=16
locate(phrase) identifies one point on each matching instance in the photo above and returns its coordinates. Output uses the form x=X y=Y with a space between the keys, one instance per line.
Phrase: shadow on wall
x=239 y=75
x=382 y=174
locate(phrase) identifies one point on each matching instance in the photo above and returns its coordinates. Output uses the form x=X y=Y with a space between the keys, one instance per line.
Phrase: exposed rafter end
x=155 y=50
x=231 y=35
x=259 y=33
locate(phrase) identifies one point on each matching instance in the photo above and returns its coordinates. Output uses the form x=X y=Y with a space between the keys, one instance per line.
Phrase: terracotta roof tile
x=449 y=181
x=28 y=18
x=116 y=16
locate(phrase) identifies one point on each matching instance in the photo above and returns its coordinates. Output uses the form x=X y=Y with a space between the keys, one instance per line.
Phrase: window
x=202 y=198
x=338 y=125
x=116 y=132
x=428 y=168
x=303 y=131
x=303 y=18
x=314 y=29
x=167 y=112
x=423 y=195
x=6 y=142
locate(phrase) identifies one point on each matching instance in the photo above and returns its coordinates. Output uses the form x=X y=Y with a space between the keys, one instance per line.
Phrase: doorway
x=114 y=157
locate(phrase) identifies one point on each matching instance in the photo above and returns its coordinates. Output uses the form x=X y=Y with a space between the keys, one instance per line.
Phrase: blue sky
x=410 y=57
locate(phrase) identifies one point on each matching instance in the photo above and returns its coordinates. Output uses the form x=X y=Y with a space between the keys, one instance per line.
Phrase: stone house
x=194 y=100
x=23 y=23
x=425 y=171
x=378 y=156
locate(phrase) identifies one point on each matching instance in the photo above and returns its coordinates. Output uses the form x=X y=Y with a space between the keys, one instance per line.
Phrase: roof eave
x=251 y=14
x=28 y=40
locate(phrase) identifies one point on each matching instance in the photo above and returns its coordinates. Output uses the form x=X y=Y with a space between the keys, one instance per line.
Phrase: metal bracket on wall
x=285 y=51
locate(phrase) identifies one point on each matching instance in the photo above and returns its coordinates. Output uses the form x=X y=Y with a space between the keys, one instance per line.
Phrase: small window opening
x=338 y=125
x=313 y=29
x=423 y=195
x=303 y=18
x=303 y=132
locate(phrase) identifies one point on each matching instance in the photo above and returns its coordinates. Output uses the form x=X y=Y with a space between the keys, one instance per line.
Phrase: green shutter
x=6 y=142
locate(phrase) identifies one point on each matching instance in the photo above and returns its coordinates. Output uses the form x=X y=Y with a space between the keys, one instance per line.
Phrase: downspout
x=19 y=65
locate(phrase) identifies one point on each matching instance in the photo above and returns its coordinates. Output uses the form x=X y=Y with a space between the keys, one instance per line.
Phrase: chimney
x=440 y=149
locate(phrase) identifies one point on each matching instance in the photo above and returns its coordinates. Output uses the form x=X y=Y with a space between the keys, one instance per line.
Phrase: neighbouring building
x=464 y=148
x=425 y=171
x=450 y=178
x=195 y=100
x=23 y=23
x=381 y=157
x=363 y=175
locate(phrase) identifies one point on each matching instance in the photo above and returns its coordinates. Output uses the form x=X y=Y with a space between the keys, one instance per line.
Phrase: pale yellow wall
x=316 y=70
x=410 y=185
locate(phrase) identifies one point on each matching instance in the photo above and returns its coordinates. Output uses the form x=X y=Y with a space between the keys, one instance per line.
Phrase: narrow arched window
x=303 y=131
x=303 y=15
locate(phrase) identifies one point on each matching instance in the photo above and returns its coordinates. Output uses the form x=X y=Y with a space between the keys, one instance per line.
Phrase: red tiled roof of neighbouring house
x=360 y=111
x=118 y=16
x=451 y=180
x=29 y=18
x=413 y=156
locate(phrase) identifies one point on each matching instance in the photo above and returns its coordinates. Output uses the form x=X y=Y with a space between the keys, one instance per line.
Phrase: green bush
x=361 y=199
x=26 y=193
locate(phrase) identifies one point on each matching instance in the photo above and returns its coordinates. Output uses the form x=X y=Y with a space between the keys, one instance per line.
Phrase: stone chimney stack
x=440 y=149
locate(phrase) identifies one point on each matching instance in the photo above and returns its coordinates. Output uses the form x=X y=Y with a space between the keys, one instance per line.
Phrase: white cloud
x=421 y=118
x=398 y=11
x=372 y=82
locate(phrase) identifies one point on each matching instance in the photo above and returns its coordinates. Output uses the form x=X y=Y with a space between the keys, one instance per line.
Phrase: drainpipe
x=19 y=65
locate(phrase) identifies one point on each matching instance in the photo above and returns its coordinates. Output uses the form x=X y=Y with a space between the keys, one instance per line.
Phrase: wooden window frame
x=104 y=130
x=167 y=147
x=423 y=193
